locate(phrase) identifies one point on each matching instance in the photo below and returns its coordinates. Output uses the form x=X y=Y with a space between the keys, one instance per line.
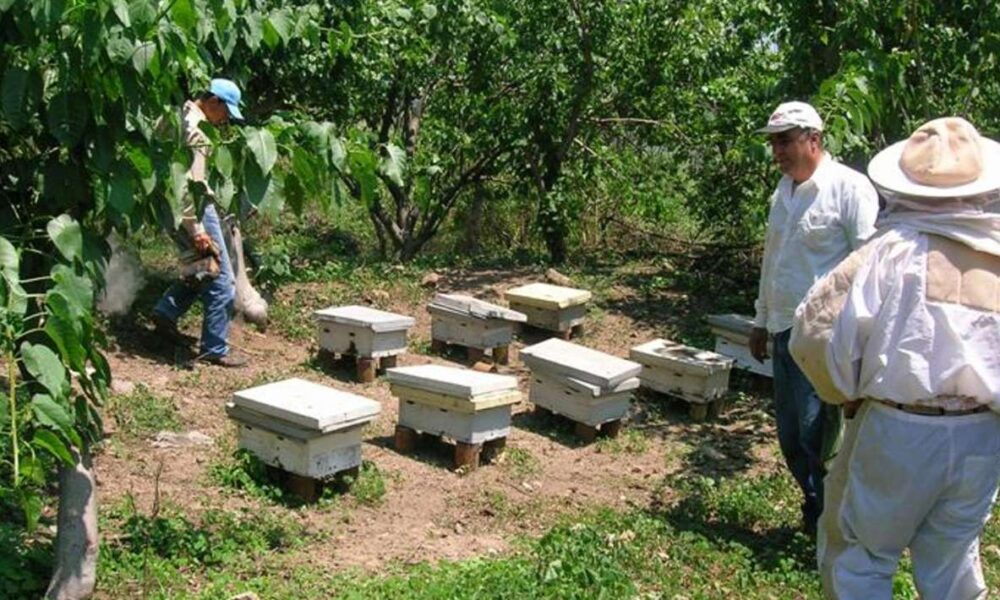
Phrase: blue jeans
x=216 y=295
x=800 y=419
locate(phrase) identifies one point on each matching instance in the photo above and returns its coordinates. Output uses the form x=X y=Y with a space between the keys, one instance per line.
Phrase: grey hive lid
x=307 y=404
x=595 y=391
x=741 y=324
x=451 y=381
x=363 y=316
x=572 y=360
x=463 y=305
x=669 y=354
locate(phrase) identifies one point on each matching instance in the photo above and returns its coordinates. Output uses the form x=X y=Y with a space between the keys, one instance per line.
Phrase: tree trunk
x=474 y=222
x=77 y=540
x=554 y=230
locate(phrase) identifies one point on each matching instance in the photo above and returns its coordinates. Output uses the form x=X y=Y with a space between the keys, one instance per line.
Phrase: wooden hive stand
x=470 y=408
x=306 y=433
x=698 y=377
x=482 y=329
x=370 y=340
x=561 y=310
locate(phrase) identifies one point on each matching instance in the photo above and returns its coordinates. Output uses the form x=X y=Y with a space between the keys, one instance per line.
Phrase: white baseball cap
x=791 y=115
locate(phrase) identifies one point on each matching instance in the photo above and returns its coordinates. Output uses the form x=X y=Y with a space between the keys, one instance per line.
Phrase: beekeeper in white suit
x=906 y=332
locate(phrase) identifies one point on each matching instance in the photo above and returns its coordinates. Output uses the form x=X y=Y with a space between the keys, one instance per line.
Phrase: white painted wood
x=307 y=404
x=471 y=428
x=671 y=355
x=688 y=386
x=552 y=319
x=559 y=357
x=362 y=341
x=732 y=339
x=547 y=296
x=451 y=381
x=467 y=330
x=455 y=403
x=319 y=457
x=559 y=396
x=744 y=360
x=365 y=317
x=460 y=304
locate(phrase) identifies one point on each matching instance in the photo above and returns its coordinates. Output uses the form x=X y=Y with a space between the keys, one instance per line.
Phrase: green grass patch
x=369 y=488
x=141 y=413
x=629 y=441
x=519 y=462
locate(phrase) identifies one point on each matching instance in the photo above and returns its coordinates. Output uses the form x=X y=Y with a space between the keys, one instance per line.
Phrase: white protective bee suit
x=909 y=326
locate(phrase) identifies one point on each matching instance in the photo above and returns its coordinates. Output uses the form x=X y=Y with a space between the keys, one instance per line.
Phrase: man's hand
x=758 y=343
x=203 y=243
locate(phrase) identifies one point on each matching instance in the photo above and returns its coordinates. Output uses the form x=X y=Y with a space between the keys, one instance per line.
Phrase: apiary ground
x=429 y=511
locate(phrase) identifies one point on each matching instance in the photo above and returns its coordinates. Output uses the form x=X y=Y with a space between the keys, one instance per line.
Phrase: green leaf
x=49 y=442
x=121 y=193
x=122 y=12
x=185 y=15
x=393 y=163
x=223 y=160
x=178 y=189
x=18 y=95
x=5 y=4
x=67 y=115
x=52 y=414
x=79 y=291
x=120 y=49
x=142 y=12
x=255 y=30
x=263 y=191
x=45 y=367
x=31 y=506
x=430 y=11
x=146 y=58
x=262 y=145
x=278 y=20
x=65 y=233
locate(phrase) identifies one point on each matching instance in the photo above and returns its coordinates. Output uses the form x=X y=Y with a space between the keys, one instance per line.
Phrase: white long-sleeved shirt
x=912 y=317
x=810 y=229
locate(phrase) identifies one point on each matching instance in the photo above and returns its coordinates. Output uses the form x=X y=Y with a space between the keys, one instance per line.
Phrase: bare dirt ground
x=430 y=511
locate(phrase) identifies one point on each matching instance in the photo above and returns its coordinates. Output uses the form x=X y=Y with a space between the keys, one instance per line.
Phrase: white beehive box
x=695 y=375
x=550 y=307
x=580 y=401
x=464 y=320
x=465 y=405
x=302 y=427
x=583 y=384
x=363 y=331
x=732 y=339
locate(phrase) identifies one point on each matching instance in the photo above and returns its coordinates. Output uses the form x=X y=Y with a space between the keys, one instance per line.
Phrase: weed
x=519 y=462
x=630 y=441
x=245 y=472
x=419 y=345
x=369 y=488
x=141 y=413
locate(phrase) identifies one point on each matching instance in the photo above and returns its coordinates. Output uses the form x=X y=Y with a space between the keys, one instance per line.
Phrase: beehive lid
x=363 y=316
x=307 y=404
x=571 y=360
x=738 y=324
x=451 y=381
x=548 y=296
x=625 y=386
x=668 y=354
x=461 y=305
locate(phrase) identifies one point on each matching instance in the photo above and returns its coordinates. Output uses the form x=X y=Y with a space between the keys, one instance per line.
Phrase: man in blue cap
x=211 y=277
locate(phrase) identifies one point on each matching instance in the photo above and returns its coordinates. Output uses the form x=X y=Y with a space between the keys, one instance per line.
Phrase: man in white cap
x=215 y=285
x=820 y=212
x=906 y=331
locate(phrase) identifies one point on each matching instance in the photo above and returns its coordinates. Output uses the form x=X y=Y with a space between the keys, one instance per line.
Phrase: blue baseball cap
x=226 y=90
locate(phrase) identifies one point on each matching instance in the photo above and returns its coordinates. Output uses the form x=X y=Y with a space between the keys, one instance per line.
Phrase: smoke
x=122 y=280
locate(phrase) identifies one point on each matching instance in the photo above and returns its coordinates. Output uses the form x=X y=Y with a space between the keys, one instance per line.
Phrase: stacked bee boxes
x=732 y=339
x=306 y=429
x=698 y=376
x=587 y=386
x=363 y=334
x=551 y=307
x=474 y=324
x=467 y=406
